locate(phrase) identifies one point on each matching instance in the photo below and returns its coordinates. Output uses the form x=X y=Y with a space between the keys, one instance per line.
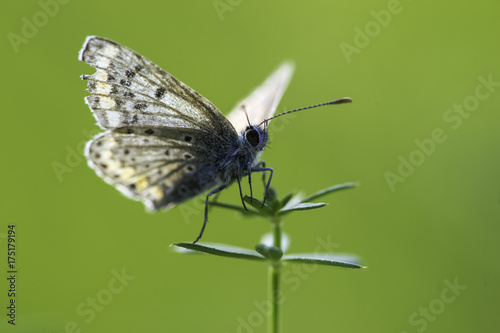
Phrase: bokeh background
x=421 y=138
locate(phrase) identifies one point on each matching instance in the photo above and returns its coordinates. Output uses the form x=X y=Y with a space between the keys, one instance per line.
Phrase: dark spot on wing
x=160 y=92
x=110 y=77
x=126 y=151
x=114 y=90
x=91 y=84
x=132 y=186
x=187 y=156
x=188 y=138
x=125 y=83
x=138 y=68
x=104 y=166
x=97 y=155
x=118 y=102
x=149 y=131
x=129 y=74
x=135 y=119
x=129 y=130
x=128 y=94
x=189 y=168
x=183 y=190
x=98 y=143
x=167 y=152
x=140 y=106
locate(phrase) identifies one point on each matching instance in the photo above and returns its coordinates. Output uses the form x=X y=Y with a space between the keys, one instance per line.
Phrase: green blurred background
x=410 y=66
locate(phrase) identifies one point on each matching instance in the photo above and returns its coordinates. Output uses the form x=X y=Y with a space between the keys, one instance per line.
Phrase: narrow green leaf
x=257 y=204
x=287 y=198
x=254 y=202
x=240 y=208
x=272 y=195
x=222 y=250
x=303 y=206
x=346 y=257
x=273 y=200
x=346 y=261
x=328 y=190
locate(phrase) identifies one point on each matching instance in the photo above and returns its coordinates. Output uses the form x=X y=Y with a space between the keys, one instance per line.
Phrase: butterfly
x=165 y=143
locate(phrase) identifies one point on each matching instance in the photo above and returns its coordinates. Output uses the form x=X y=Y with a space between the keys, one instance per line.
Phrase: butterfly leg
x=214 y=200
x=250 y=180
x=241 y=193
x=262 y=164
x=205 y=220
x=264 y=169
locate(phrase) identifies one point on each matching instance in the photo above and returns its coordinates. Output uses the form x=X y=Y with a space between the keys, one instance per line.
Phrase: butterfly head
x=255 y=137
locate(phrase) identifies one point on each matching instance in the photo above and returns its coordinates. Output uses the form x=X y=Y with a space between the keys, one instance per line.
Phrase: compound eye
x=252 y=137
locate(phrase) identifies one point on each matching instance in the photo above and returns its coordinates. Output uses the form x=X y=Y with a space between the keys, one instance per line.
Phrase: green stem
x=274 y=290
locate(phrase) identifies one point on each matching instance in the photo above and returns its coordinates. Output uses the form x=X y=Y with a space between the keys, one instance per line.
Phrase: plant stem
x=274 y=289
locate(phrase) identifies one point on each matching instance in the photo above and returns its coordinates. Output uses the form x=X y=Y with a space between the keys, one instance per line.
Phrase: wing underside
x=263 y=101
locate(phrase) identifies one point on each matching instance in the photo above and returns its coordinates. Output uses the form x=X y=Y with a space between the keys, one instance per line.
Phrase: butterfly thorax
x=242 y=155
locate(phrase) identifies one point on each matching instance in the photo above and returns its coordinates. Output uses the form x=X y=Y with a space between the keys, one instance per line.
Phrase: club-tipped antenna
x=337 y=101
x=246 y=114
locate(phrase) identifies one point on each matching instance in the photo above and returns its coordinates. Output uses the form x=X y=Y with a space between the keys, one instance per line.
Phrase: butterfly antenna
x=337 y=101
x=246 y=114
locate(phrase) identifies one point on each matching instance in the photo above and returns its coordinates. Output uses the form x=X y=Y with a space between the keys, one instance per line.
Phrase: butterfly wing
x=263 y=101
x=163 y=138
x=128 y=90
x=160 y=170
